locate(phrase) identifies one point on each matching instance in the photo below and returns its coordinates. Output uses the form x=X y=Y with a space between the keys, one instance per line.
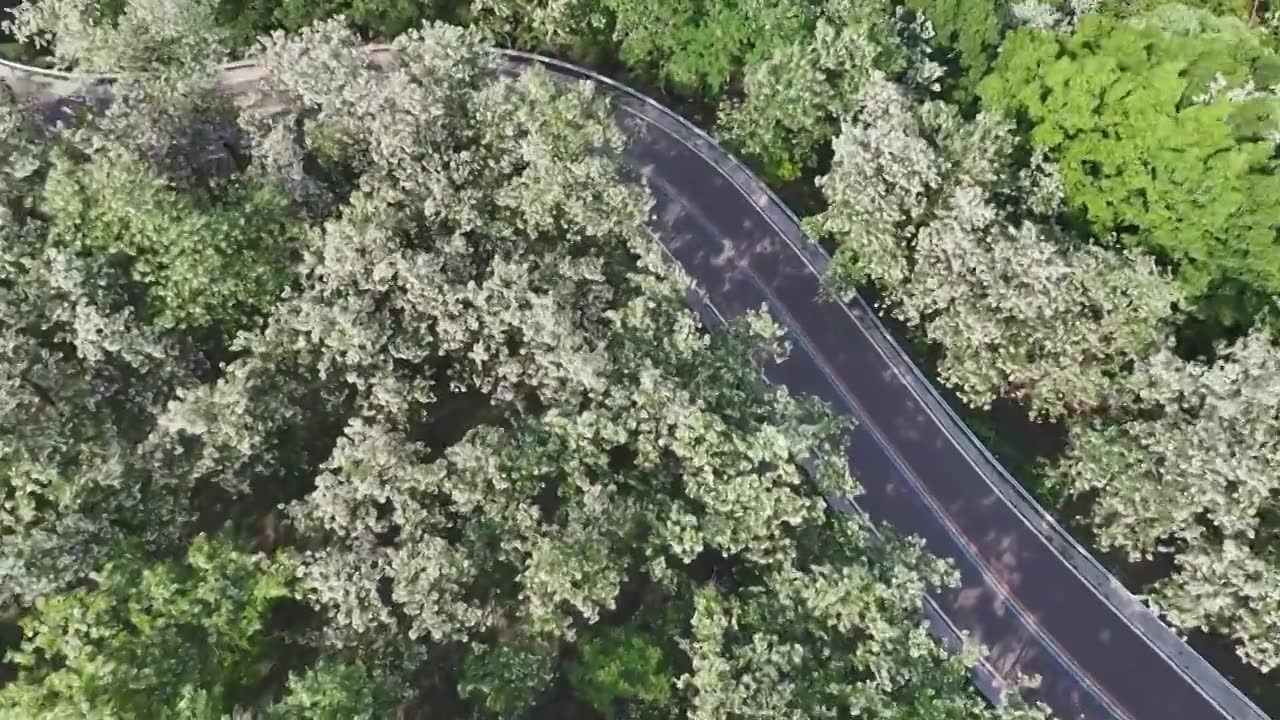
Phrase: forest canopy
x=1069 y=207
x=384 y=392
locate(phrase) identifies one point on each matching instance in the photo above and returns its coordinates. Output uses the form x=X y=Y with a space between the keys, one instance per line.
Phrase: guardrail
x=1196 y=669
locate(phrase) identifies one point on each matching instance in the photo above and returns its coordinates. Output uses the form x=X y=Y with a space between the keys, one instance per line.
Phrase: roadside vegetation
x=1074 y=205
x=380 y=400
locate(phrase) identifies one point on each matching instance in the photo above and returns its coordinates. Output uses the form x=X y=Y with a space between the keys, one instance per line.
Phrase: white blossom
x=1194 y=471
x=918 y=200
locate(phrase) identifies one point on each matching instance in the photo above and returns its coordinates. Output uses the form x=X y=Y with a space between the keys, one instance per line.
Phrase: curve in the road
x=1029 y=593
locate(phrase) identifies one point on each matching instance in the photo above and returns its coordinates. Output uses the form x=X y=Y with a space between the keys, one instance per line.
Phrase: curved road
x=1035 y=599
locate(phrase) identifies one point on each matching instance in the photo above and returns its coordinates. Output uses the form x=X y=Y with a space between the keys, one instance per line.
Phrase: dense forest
x=390 y=404
x=379 y=398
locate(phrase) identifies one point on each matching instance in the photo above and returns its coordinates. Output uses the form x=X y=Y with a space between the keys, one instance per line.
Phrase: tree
x=125 y=268
x=384 y=19
x=188 y=637
x=1235 y=10
x=794 y=94
x=622 y=665
x=705 y=49
x=701 y=46
x=583 y=28
x=968 y=32
x=335 y=690
x=1162 y=140
x=476 y=416
x=223 y=259
x=81 y=378
x=506 y=680
x=123 y=36
x=932 y=209
x=741 y=641
x=1192 y=471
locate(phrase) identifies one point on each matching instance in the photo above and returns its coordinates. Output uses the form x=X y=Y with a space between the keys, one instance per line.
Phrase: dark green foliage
x=968 y=33
x=623 y=664
x=245 y=20
x=506 y=680
x=1150 y=148
x=379 y=18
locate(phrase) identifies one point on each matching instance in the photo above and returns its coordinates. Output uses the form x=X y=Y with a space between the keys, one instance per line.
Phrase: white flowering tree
x=930 y=208
x=82 y=375
x=1195 y=472
x=127 y=36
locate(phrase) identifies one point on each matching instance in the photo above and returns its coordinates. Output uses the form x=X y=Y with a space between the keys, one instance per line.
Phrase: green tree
x=335 y=690
x=700 y=46
x=580 y=28
x=968 y=35
x=383 y=19
x=794 y=94
x=622 y=665
x=81 y=379
x=124 y=268
x=506 y=680
x=186 y=638
x=223 y=259
x=1162 y=139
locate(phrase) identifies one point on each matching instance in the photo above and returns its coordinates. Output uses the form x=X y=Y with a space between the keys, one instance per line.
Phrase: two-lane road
x=1028 y=593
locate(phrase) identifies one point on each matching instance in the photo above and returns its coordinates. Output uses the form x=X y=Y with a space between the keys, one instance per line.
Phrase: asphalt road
x=1028 y=593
